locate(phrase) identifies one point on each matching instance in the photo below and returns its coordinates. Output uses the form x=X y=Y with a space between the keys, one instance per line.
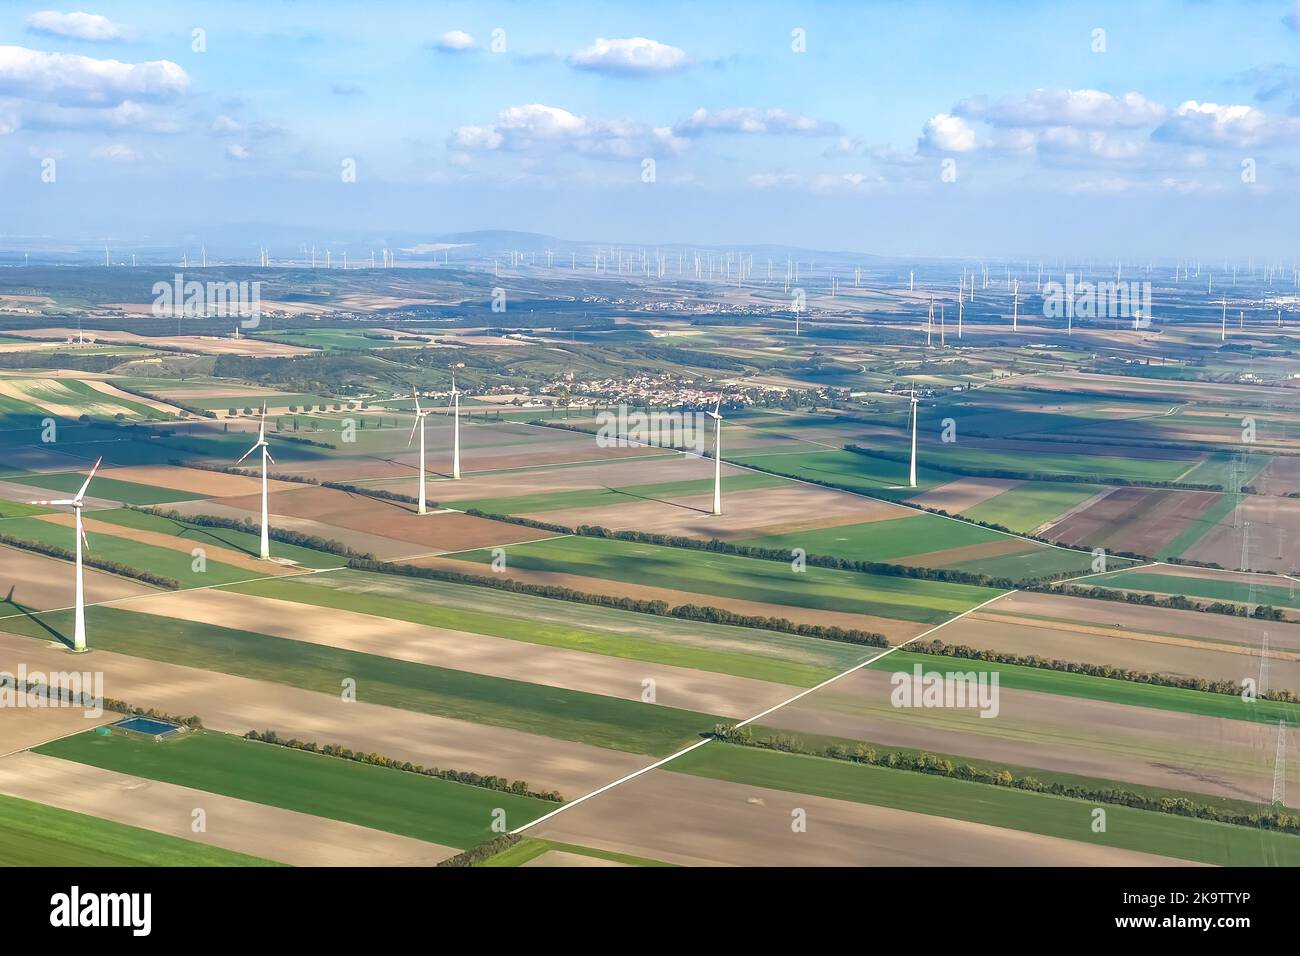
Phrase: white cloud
x=773 y=180
x=536 y=126
x=75 y=26
x=235 y=151
x=748 y=119
x=71 y=79
x=455 y=41
x=115 y=152
x=225 y=124
x=127 y=115
x=1209 y=124
x=1068 y=143
x=1091 y=109
x=944 y=133
x=629 y=57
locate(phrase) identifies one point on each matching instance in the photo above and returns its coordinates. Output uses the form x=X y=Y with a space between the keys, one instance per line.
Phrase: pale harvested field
x=270 y=833
x=956 y=496
x=215 y=484
x=1272 y=536
x=440 y=531
x=25 y=727
x=194 y=343
x=892 y=629
x=1141 y=745
x=1137 y=620
x=695 y=821
x=237 y=705
x=779 y=509
x=115 y=393
x=157 y=539
x=1281 y=477
x=1123 y=645
x=43 y=583
x=681 y=687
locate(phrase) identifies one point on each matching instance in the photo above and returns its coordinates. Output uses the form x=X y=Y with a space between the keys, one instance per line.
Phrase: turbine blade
x=269 y=456
x=77 y=496
x=414 y=425
x=56 y=501
x=249 y=452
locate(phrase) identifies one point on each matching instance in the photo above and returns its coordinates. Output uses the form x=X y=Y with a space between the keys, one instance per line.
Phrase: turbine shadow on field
x=30 y=614
x=662 y=501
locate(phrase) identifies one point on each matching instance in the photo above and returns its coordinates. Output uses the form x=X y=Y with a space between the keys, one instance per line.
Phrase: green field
x=1239 y=590
x=1127 y=828
x=1029 y=505
x=32 y=834
x=1110 y=690
x=382 y=798
x=917 y=533
x=316 y=591
x=178 y=565
x=18 y=509
x=128 y=492
x=616 y=723
x=877 y=477
x=613 y=497
x=753 y=579
x=961 y=459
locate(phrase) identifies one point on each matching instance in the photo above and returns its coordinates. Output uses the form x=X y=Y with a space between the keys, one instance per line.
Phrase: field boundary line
x=749 y=720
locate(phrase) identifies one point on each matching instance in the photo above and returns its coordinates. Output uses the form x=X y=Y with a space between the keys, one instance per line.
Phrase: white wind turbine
x=915 y=405
x=266 y=456
x=455 y=426
x=716 y=415
x=420 y=416
x=79 y=625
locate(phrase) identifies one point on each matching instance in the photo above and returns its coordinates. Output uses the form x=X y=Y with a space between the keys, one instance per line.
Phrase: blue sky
x=901 y=128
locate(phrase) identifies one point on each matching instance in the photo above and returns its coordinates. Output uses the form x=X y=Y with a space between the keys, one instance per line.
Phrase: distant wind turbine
x=76 y=503
x=266 y=456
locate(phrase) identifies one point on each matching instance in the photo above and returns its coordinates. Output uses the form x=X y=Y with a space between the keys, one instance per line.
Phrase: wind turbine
x=912 y=478
x=455 y=426
x=716 y=415
x=419 y=423
x=79 y=626
x=266 y=456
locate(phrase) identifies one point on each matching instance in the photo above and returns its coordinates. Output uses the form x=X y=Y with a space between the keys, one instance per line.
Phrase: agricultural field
x=416 y=674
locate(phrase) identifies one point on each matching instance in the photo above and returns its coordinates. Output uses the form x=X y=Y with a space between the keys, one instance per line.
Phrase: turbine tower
x=79 y=625
x=266 y=456
x=716 y=415
x=419 y=423
x=455 y=427
x=912 y=477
